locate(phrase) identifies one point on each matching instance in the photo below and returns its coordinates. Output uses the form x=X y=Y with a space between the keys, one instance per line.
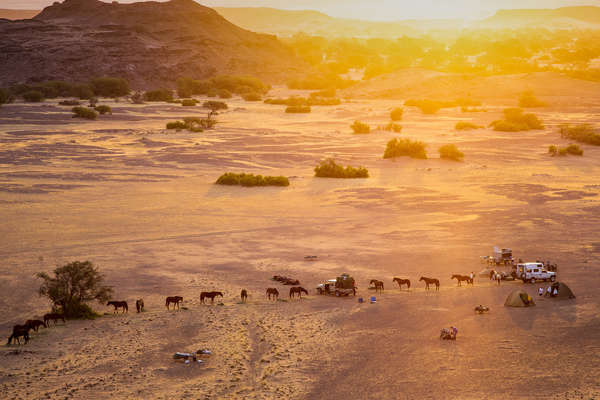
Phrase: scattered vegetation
x=110 y=87
x=391 y=127
x=33 y=96
x=528 y=100
x=359 y=127
x=466 y=126
x=177 y=125
x=248 y=180
x=5 y=96
x=69 y=103
x=193 y=124
x=253 y=96
x=159 y=95
x=572 y=149
x=583 y=133
x=218 y=85
x=84 y=112
x=297 y=109
x=396 y=114
x=103 y=109
x=72 y=286
x=405 y=147
x=329 y=169
x=189 y=102
x=214 y=105
x=451 y=152
x=515 y=121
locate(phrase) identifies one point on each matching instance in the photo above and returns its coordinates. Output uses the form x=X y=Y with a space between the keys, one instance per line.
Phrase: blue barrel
x=360 y=299
x=373 y=299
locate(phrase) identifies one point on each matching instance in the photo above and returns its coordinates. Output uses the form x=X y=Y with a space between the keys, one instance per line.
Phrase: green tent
x=519 y=298
x=564 y=292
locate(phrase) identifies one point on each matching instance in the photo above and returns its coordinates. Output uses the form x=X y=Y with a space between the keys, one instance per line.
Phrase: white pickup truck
x=532 y=272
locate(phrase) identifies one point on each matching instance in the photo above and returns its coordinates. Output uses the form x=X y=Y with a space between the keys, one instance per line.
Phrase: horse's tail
x=408 y=283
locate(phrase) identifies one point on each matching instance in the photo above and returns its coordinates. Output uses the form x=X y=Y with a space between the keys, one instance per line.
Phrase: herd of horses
x=22 y=331
x=378 y=285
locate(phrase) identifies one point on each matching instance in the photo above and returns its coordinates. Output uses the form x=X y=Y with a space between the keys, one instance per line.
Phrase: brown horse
x=175 y=300
x=18 y=331
x=119 y=304
x=378 y=285
x=272 y=292
x=139 y=305
x=402 y=282
x=461 y=278
x=35 y=324
x=430 y=281
x=299 y=290
x=244 y=295
x=53 y=317
x=210 y=295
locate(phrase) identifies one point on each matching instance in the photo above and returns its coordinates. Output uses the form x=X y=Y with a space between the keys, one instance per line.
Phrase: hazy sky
x=369 y=9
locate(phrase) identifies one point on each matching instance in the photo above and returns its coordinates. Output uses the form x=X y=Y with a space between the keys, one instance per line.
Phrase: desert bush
x=224 y=94
x=69 y=103
x=391 y=127
x=137 y=98
x=178 y=125
x=583 y=133
x=329 y=169
x=359 y=127
x=110 y=87
x=528 y=100
x=515 y=121
x=553 y=150
x=396 y=114
x=159 y=95
x=5 y=96
x=574 y=149
x=93 y=102
x=466 y=126
x=215 y=105
x=252 y=96
x=189 y=102
x=430 y=106
x=33 y=96
x=221 y=85
x=297 y=109
x=103 y=109
x=84 y=112
x=199 y=124
x=248 y=180
x=71 y=286
x=450 y=152
x=405 y=147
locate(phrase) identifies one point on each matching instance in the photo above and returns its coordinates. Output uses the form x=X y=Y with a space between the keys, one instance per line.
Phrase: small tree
x=72 y=286
x=360 y=127
x=396 y=114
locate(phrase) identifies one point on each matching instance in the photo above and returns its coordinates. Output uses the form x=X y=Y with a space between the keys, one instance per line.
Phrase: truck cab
x=532 y=272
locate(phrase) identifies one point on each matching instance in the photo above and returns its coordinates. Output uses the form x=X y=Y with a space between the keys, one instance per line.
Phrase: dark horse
x=378 y=285
x=272 y=292
x=210 y=295
x=175 y=300
x=139 y=305
x=299 y=290
x=118 y=304
x=35 y=324
x=430 y=281
x=244 y=295
x=461 y=278
x=402 y=282
x=53 y=317
x=18 y=331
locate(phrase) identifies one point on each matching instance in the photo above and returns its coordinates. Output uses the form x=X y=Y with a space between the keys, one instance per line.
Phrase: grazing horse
x=402 y=282
x=244 y=295
x=461 y=278
x=430 y=281
x=378 y=285
x=210 y=295
x=18 y=331
x=35 y=324
x=175 y=300
x=139 y=305
x=274 y=292
x=119 y=304
x=53 y=317
x=299 y=290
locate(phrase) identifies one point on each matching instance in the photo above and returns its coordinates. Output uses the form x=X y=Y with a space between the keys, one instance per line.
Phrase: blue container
x=373 y=299
x=360 y=300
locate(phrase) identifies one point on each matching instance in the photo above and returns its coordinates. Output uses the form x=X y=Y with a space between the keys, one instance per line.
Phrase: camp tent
x=564 y=292
x=519 y=298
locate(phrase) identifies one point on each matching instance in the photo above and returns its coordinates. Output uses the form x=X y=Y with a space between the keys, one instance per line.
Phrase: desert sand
x=140 y=202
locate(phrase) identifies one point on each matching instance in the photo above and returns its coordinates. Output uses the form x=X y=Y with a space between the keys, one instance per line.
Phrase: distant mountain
x=564 y=17
x=18 y=14
x=149 y=43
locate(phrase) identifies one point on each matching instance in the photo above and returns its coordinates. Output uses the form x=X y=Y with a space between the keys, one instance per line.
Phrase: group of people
x=549 y=291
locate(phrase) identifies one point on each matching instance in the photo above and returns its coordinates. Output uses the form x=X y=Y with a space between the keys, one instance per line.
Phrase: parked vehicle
x=343 y=285
x=532 y=272
x=502 y=256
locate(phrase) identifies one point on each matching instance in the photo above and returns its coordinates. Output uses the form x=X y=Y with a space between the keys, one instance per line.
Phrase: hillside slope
x=17 y=14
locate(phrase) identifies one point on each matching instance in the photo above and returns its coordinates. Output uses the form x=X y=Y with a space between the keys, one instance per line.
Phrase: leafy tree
x=33 y=96
x=110 y=87
x=72 y=286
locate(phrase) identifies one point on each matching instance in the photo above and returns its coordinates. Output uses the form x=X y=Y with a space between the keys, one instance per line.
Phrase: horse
x=402 y=282
x=378 y=285
x=119 y=304
x=274 y=292
x=481 y=309
x=175 y=300
x=139 y=305
x=299 y=290
x=18 y=331
x=210 y=295
x=461 y=278
x=430 y=281
x=492 y=274
x=244 y=295
x=53 y=317
x=35 y=324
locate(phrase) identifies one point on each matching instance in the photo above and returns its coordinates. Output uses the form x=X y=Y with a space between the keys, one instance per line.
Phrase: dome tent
x=519 y=298
x=564 y=292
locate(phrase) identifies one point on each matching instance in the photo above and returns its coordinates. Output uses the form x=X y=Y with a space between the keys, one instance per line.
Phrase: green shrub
x=391 y=127
x=528 y=100
x=84 y=112
x=159 y=95
x=574 y=150
x=329 y=169
x=248 y=180
x=110 y=87
x=178 y=125
x=430 y=106
x=359 y=127
x=33 y=96
x=450 y=152
x=224 y=94
x=466 y=126
x=562 y=151
x=252 y=96
x=583 y=133
x=189 y=102
x=220 y=85
x=103 y=109
x=553 y=150
x=515 y=121
x=69 y=103
x=297 y=109
x=5 y=96
x=215 y=105
x=396 y=114
x=405 y=147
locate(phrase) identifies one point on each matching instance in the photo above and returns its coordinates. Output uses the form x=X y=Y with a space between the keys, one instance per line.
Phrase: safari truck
x=343 y=285
x=502 y=256
x=534 y=271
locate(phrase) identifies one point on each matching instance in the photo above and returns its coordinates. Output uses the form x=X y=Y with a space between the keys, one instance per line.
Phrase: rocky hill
x=150 y=44
x=564 y=17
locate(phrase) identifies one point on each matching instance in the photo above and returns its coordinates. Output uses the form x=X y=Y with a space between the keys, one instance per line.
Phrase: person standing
x=541 y=291
x=471 y=276
x=498 y=277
